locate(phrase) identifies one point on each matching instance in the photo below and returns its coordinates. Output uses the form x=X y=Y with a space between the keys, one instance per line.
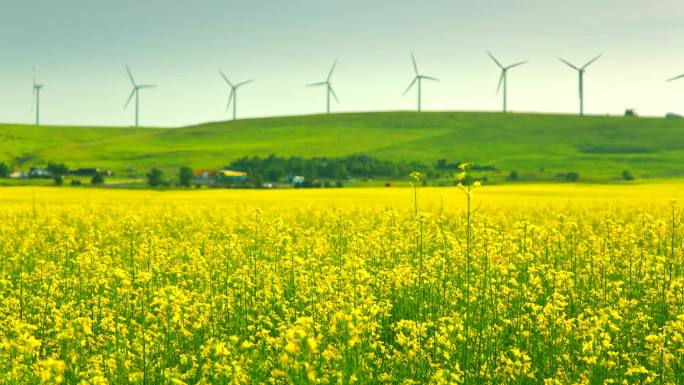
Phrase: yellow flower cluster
x=146 y=292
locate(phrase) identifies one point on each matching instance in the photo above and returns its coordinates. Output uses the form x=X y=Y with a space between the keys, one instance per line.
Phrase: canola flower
x=139 y=291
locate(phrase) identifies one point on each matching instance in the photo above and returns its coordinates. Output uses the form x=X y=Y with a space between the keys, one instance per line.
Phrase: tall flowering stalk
x=416 y=176
x=465 y=185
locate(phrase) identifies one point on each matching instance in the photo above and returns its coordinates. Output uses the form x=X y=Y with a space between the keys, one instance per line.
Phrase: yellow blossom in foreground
x=500 y=285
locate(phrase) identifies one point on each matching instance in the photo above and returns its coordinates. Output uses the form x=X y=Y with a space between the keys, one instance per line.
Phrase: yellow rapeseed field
x=533 y=284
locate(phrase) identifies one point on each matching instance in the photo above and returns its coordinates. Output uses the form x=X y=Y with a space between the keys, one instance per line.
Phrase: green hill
x=599 y=148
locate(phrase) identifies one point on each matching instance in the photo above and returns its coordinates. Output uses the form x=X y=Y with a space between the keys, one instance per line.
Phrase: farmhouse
x=295 y=179
x=39 y=172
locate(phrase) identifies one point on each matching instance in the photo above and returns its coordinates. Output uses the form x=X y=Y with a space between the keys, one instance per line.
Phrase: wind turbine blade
x=332 y=91
x=569 y=64
x=676 y=77
x=225 y=78
x=516 y=64
x=415 y=66
x=591 y=61
x=332 y=69
x=501 y=79
x=495 y=61
x=244 y=83
x=130 y=75
x=429 y=78
x=317 y=84
x=410 y=85
x=129 y=98
x=230 y=99
x=147 y=86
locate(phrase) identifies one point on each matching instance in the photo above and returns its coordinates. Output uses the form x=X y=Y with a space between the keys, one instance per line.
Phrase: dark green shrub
x=155 y=177
x=185 y=176
x=513 y=176
x=57 y=169
x=4 y=170
x=97 y=179
x=626 y=175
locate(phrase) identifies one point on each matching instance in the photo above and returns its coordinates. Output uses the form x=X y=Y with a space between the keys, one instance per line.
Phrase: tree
x=58 y=179
x=572 y=177
x=513 y=176
x=340 y=171
x=185 y=176
x=57 y=169
x=97 y=179
x=155 y=177
x=274 y=173
x=4 y=170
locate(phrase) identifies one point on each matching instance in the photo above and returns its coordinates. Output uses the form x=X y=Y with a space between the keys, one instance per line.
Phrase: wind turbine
x=418 y=79
x=36 y=96
x=580 y=71
x=675 y=78
x=233 y=92
x=503 y=79
x=328 y=86
x=136 y=92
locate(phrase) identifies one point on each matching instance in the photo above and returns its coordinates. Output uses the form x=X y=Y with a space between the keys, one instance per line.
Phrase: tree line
x=277 y=168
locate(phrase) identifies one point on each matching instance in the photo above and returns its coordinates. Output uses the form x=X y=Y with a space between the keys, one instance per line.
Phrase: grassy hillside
x=599 y=148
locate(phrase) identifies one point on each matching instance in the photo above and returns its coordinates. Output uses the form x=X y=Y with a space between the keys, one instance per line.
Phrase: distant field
x=431 y=197
x=537 y=146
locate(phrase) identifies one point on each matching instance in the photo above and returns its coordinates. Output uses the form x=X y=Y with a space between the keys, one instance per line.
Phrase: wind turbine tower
x=503 y=79
x=36 y=96
x=580 y=71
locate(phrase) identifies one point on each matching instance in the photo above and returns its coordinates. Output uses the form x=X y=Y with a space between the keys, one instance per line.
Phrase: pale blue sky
x=80 y=47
